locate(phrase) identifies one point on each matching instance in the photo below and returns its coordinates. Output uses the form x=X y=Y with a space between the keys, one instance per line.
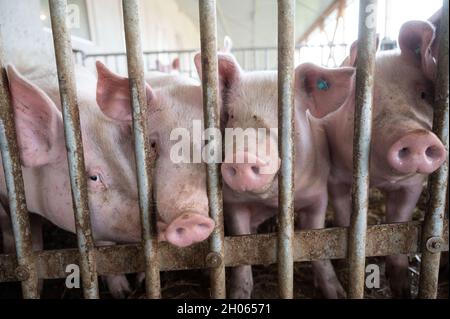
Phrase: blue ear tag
x=322 y=85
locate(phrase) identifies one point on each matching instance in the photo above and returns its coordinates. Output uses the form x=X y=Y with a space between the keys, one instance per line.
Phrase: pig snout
x=254 y=175
x=419 y=152
x=188 y=229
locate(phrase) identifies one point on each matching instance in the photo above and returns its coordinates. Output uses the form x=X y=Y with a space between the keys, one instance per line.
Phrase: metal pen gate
x=284 y=248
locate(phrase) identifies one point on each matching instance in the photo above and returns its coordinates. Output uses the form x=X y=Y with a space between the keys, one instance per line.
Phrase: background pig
x=172 y=68
x=404 y=150
x=251 y=196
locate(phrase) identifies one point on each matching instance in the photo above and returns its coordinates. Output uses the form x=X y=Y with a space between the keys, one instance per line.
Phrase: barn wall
x=164 y=27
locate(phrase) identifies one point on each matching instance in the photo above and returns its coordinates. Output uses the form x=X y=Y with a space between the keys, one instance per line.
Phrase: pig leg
x=400 y=205
x=313 y=217
x=340 y=198
x=118 y=285
x=238 y=220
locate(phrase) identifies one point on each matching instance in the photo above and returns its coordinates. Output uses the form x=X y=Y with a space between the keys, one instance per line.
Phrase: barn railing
x=285 y=247
x=250 y=59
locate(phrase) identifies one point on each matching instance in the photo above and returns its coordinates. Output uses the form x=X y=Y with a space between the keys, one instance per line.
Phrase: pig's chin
x=268 y=191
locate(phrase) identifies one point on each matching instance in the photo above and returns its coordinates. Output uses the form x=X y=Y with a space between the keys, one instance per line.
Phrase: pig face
x=111 y=180
x=249 y=118
x=181 y=197
x=403 y=145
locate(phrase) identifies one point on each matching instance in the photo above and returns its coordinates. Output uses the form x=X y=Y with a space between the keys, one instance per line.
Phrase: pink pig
x=174 y=102
x=109 y=157
x=404 y=150
x=251 y=187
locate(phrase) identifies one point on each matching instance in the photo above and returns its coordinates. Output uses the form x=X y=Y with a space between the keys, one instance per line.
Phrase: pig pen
x=168 y=268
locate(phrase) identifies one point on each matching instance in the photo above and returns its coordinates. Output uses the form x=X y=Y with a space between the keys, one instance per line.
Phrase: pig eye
x=95 y=178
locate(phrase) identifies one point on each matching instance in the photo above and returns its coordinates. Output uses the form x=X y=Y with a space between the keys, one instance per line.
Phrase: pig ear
x=176 y=64
x=38 y=122
x=415 y=41
x=323 y=90
x=229 y=69
x=352 y=58
x=113 y=94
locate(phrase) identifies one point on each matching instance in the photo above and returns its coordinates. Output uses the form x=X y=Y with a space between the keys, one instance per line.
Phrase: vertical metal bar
x=266 y=59
x=27 y=270
x=361 y=146
x=434 y=217
x=208 y=39
x=74 y=145
x=286 y=50
x=145 y=156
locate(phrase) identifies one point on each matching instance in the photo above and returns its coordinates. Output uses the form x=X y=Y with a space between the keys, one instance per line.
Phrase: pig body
x=404 y=150
x=251 y=195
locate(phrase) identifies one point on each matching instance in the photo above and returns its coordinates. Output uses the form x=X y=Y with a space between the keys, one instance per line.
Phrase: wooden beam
x=320 y=19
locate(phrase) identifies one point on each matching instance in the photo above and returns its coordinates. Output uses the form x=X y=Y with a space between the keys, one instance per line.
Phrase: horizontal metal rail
x=119 y=53
x=260 y=249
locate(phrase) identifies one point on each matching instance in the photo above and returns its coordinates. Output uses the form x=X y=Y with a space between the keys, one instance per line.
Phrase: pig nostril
x=404 y=152
x=432 y=152
x=180 y=231
x=203 y=225
x=255 y=169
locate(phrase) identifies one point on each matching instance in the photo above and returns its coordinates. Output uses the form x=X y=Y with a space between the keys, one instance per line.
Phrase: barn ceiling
x=253 y=23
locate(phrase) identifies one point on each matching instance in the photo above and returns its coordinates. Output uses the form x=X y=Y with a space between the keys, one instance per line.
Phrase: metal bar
x=145 y=155
x=257 y=249
x=208 y=40
x=361 y=146
x=286 y=49
x=74 y=145
x=26 y=265
x=433 y=222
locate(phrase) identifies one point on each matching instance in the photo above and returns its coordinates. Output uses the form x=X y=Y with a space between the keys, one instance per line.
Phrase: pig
x=250 y=187
x=172 y=68
x=109 y=160
x=404 y=150
x=174 y=102
x=105 y=115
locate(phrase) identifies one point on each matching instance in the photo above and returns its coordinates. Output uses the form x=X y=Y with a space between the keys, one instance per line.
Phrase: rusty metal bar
x=74 y=145
x=26 y=265
x=434 y=217
x=145 y=156
x=257 y=249
x=286 y=50
x=208 y=41
x=361 y=146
